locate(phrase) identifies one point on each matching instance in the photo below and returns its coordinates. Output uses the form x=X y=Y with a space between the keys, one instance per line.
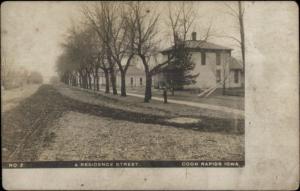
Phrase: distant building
x=135 y=77
x=214 y=64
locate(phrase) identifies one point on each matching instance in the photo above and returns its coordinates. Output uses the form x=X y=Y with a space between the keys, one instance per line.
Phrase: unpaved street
x=60 y=123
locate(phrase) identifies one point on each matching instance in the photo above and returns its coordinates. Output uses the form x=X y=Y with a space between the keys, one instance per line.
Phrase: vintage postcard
x=150 y=95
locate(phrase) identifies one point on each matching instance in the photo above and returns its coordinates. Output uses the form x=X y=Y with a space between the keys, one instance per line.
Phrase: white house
x=135 y=77
x=214 y=64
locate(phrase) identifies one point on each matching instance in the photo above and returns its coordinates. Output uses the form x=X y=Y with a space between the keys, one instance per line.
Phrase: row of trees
x=114 y=33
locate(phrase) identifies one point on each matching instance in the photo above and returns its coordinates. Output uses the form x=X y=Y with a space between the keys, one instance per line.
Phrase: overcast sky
x=31 y=32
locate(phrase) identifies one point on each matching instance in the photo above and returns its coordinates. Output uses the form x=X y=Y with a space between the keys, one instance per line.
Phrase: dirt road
x=48 y=125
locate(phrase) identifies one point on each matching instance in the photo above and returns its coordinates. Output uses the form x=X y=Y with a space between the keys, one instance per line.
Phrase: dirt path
x=28 y=128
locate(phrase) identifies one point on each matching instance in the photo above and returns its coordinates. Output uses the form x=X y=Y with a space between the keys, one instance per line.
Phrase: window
x=131 y=81
x=236 y=76
x=218 y=75
x=218 y=58
x=141 y=81
x=203 y=58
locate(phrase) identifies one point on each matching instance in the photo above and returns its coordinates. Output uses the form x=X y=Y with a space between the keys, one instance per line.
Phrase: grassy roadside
x=137 y=104
x=25 y=128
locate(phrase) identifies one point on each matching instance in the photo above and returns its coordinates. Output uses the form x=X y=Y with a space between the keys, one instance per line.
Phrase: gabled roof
x=235 y=64
x=200 y=44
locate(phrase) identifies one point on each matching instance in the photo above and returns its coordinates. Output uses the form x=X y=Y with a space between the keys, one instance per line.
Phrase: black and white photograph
x=135 y=84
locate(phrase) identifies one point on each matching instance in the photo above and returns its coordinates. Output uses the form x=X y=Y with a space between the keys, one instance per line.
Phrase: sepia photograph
x=125 y=81
x=134 y=84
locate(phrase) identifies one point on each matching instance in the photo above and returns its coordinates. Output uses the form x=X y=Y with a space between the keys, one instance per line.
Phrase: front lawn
x=236 y=102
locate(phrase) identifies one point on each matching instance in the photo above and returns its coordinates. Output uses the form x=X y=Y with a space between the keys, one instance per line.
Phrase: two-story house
x=214 y=64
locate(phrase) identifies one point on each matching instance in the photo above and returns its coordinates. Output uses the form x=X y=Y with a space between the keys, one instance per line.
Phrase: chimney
x=194 y=36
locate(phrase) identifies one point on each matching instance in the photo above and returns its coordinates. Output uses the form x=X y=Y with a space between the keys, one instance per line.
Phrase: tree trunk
x=106 y=81
x=224 y=89
x=85 y=81
x=172 y=89
x=97 y=81
x=73 y=80
x=148 y=90
x=80 y=80
x=113 y=81
x=123 y=83
x=69 y=79
x=89 y=80
x=242 y=33
x=94 y=81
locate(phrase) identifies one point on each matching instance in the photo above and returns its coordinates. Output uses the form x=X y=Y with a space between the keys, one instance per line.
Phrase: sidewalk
x=188 y=103
x=196 y=104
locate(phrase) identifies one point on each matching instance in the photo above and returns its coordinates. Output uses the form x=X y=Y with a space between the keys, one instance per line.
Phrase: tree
x=12 y=75
x=7 y=72
x=144 y=23
x=226 y=73
x=78 y=58
x=180 y=20
x=179 y=70
x=110 y=21
x=242 y=32
x=238 y=13
x=101 y=63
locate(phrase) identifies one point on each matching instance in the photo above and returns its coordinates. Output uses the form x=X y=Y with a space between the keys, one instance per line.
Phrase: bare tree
x=144 y=23
x=103 y=65
x=99 y=19
x=242 y=32
x=238 y=13
x=225 y=73
x=78 y=58
x=180 y=20
x=110 y=21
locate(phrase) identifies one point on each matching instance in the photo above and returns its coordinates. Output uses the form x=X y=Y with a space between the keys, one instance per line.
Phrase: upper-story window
x=218 y=59
x=203 y=58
